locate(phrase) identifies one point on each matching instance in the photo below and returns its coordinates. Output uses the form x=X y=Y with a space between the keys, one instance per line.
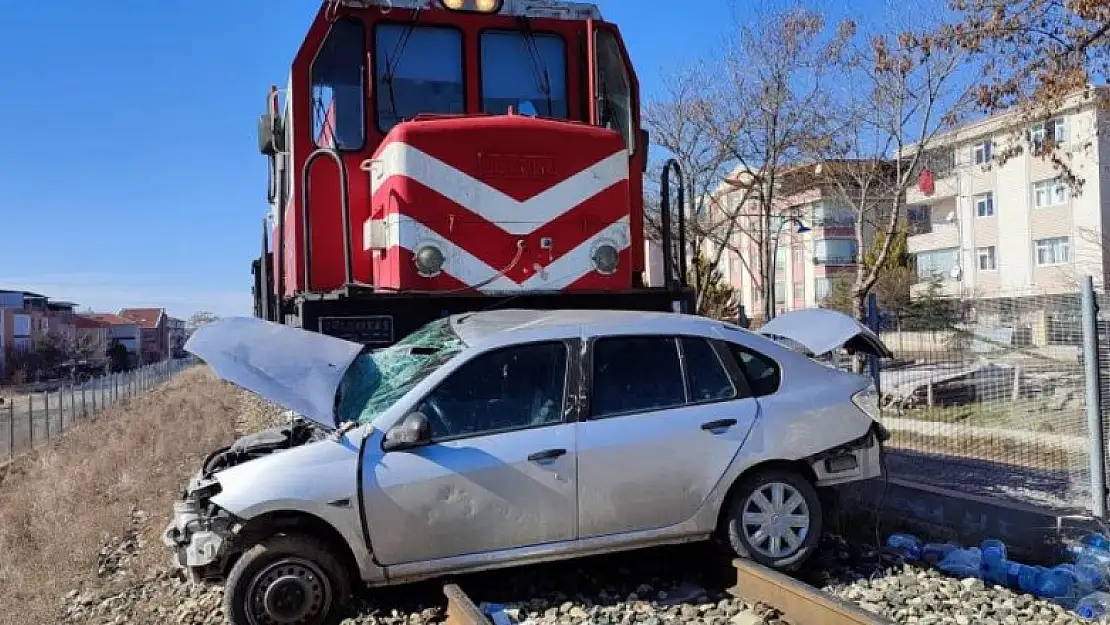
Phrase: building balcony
x=943 y=189
x=835 y=261
x=948 y=288
x=932 y=236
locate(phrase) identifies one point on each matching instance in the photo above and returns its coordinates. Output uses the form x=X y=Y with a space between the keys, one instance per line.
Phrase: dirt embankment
x=82 y=518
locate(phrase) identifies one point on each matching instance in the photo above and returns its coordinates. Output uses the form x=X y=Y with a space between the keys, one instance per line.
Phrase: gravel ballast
x=652 y=587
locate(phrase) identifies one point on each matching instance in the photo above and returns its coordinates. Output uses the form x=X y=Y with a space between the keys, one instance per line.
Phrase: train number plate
x=368 y=330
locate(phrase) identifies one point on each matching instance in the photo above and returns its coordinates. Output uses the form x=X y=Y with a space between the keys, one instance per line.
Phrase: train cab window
x=418 y=69
x=528 y=73
x=614 y=87
x=338 y=115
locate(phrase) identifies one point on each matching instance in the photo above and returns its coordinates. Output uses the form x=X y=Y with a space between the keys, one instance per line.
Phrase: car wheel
x=286 y=579
x=774 y=518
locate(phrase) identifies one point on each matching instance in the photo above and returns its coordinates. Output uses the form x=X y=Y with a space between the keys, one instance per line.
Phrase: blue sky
x=131 y=175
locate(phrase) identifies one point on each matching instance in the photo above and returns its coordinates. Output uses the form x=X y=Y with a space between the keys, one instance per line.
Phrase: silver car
x=503 y=438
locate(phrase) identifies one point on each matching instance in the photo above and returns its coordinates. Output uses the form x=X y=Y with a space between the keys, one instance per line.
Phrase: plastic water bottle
x=994 y=560
x=933 y=553
x=1093 y=606
x=1090 y=575
x=1058 y=584
x=1098 y=541
x=905 y=545
x=963 y=563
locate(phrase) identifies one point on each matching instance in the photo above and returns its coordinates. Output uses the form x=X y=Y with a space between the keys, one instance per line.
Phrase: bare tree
x=677 y=125
x=904 y=94
x=198 y=319
x=770 y=113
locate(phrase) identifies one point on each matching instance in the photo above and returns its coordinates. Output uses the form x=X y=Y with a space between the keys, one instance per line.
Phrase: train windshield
x=526 y=71
x=418 y=69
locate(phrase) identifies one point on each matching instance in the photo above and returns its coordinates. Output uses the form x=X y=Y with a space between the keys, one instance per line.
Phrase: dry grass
x=59 y=505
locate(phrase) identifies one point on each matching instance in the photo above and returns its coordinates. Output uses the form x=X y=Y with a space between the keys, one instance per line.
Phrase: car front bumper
x=201 y=538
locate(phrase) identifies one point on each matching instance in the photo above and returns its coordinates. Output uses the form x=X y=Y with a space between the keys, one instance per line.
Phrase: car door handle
x=718 y=424
x=547 y=454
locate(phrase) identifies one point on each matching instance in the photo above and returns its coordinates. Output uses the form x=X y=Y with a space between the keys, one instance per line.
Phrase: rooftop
x=110 y=319
x=145 y=317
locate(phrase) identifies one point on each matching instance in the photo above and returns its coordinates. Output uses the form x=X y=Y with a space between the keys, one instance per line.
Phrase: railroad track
x=790 y=600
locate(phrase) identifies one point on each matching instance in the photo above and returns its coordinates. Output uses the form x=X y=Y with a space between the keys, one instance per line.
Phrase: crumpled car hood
x=821 y=330
x=296 y=369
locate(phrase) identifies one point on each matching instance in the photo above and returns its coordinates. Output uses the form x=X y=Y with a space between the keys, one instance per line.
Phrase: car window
x=706 y=377
x=762 y=373
x=511 y=388
x=632 y=374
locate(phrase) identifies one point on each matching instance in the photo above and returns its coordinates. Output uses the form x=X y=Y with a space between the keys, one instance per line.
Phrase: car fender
x=319 y=479
x=792 y=427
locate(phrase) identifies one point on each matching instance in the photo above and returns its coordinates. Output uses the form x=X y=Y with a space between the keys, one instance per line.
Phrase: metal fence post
x=873 y=323
x=1093 y=399
x=31 y=419
x=46 y=420
x=11 y=429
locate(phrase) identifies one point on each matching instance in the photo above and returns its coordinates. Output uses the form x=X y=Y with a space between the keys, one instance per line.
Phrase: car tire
x=744 y=538
x=292 y=577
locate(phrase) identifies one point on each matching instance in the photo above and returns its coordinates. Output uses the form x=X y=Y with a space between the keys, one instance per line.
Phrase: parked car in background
x=501 y=438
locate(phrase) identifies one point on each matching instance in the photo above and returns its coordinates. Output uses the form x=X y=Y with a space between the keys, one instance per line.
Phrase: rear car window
x=706 y=376
x=763 y=373
x=635 y=374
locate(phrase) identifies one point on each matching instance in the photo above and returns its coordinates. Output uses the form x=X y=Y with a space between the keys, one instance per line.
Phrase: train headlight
x=605 y=258
x=429 y=260
x=474 y=6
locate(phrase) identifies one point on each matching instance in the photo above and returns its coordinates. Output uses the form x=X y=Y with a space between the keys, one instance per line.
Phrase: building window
x=936 y=263
x=780 y=293
x=1049 y=193
x=1054 y=251
x=835 y=251
x=797 y=254
x=799 y=289
x=981 y=153
x=1052 y=129
x=822 y=287
x=984 y=205
x=829 y=214
x=987 y=260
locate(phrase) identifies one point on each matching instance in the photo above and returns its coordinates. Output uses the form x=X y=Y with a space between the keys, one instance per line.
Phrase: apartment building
x=27 y=318
x=811 y=230
x=1008 y=228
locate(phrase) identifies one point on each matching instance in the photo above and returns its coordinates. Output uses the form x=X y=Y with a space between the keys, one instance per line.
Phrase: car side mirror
x=413 y=431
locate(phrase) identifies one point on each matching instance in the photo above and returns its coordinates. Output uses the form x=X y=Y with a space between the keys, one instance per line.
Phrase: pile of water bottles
x=1081 y=585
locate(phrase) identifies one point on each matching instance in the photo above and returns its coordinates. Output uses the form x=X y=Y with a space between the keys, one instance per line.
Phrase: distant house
x=26 y=318
x=153 y=332
x=92 y=337
x=123 y=330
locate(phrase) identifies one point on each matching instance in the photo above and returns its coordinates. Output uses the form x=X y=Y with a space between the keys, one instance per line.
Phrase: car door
x=664 y=422
x=500 y=471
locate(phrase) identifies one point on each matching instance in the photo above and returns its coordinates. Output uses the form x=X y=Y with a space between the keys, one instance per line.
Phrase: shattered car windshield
x=378 y=379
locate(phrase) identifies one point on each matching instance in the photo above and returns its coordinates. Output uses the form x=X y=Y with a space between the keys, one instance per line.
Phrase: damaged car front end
x=203 y=535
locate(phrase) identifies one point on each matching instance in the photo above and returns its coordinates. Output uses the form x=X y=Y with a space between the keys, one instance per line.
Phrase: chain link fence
x=986 y=396
x=30 y=419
